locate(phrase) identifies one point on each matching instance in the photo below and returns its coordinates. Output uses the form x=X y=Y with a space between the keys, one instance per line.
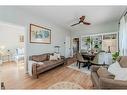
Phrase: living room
x=54 y=58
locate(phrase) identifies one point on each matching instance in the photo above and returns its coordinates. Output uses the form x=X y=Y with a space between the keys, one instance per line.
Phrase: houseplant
x=115 y=55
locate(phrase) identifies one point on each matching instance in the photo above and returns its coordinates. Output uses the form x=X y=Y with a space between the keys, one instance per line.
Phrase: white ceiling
x=67 y=15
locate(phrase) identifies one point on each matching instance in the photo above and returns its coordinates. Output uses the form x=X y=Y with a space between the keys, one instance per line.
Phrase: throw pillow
x=58 y=55
x=119 y=72
x=114 y=68
x=122 y=75
x=53 y=57
x=103 y=72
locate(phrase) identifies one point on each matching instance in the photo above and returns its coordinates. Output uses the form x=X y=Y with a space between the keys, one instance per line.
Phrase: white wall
x=9 y=36
x=19 y=17
x=68 y=45
x=88 y=30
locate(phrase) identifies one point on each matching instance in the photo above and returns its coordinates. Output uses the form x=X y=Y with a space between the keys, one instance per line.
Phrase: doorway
x=75 y=45
x=12 y=49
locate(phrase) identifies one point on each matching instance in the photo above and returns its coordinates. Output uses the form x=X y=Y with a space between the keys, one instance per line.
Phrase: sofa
x=100 y=82
x=38 y=68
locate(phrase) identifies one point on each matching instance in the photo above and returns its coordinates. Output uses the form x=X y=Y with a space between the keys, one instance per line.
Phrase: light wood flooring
x=14 y=77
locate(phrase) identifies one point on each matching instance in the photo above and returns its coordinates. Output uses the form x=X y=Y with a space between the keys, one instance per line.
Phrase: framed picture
x=39 y=34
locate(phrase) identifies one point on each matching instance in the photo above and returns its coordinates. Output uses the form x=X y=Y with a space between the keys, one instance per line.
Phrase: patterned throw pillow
x=53 y=57
x=57 y=55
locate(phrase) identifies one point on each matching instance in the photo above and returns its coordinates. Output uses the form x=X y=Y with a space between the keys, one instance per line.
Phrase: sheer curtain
x=123 y=36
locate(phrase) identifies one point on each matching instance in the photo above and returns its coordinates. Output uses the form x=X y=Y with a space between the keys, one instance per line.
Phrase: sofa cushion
x=40 y=58
x=50 y=63
x=123 y=62
x=119 y=72
x=103 y=72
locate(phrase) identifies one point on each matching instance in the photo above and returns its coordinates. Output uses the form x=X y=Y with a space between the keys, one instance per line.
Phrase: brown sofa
x=47 y=64
x=108 y=83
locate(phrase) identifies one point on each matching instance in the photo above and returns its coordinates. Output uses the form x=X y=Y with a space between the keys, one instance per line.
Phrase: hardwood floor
x=14 y=77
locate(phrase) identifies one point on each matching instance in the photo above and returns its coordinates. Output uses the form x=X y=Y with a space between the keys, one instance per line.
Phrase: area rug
x=82 y=69
x=65 y=86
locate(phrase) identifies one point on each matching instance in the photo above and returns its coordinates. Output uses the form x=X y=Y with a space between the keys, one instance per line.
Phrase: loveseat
x=38 y=68
x=109 y=82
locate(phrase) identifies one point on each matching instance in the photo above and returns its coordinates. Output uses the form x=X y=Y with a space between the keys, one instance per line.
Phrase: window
x=109 y=40
x=99 y=42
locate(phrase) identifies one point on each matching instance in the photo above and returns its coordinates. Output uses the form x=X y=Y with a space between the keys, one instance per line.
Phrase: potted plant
x=88 y=40
x=96 y=47
x=115 y=55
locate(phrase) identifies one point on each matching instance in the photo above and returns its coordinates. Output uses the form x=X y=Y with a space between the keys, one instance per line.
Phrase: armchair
x=108 y=83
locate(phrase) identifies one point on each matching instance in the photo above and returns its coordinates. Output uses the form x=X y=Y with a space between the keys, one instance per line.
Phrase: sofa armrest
x=62 y=57
x=106 y=83
x=34 y=70
x=65 y=61
x=94 y=68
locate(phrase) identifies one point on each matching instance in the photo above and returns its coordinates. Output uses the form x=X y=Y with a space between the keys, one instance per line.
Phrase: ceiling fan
x=82 y=21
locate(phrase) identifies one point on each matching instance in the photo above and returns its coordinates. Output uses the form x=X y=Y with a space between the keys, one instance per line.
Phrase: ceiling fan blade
x=75 y=24
x=86 y=23
x=81 y=20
